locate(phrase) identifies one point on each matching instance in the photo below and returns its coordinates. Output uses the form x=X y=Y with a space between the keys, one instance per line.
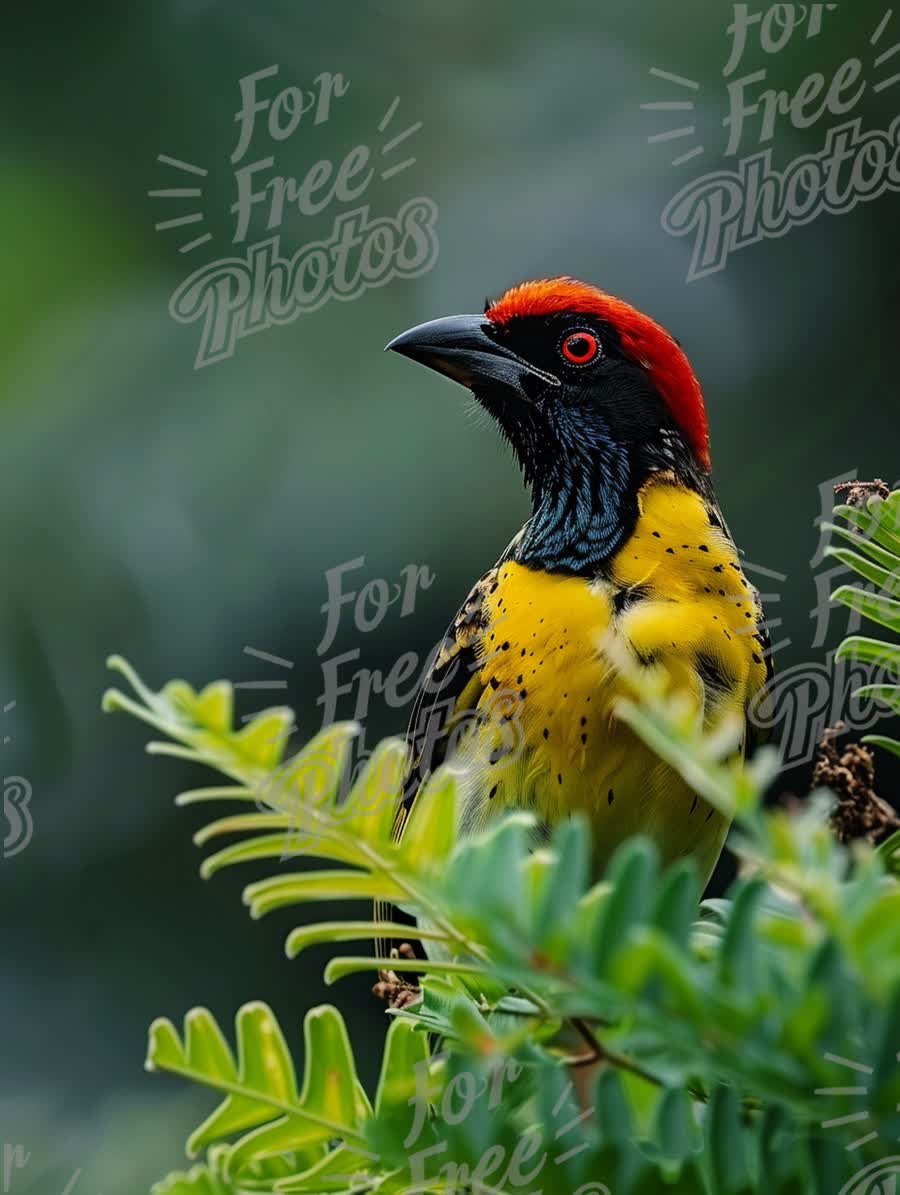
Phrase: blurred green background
x=177 y=515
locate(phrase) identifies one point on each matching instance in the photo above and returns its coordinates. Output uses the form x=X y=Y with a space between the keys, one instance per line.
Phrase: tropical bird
x=626 y=551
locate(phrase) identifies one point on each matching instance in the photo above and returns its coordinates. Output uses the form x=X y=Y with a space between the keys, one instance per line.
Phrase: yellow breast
x=674 y=595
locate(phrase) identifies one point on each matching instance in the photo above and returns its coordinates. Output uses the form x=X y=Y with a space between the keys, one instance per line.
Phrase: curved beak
x=460 y=347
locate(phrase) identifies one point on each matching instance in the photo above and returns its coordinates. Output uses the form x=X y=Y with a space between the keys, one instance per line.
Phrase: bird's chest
x=543 y=674
x=545 y=738
x=550 y=674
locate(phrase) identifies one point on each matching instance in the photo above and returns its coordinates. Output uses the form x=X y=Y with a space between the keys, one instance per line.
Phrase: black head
x=591 y=394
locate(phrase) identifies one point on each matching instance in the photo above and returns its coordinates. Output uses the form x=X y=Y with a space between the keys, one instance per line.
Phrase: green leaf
x=331 y=1176
x=372 y=804
x=331 y=1088
x=214 y=706
x=305 y=936
x=263 y=740
x=566 y=880
x=885 y=579
x=264 y=1066
x=340 y=968
x=302 y=887
x=885 y=611
x=632 y=876
x=889 y=851
x=870 y=651
x=727 y=1144
x=207 y=1179
x=241 y=823
x=677 y=901
x=876 y=523
x=615 y=1124
x=880 y=740
x=867 y=547
x=311 y=779
x=286 y=1137
x=739 y=962
x=675 y=1129
x=430 y=829
x=281 y=847
x=195 y=796
x=260 y=1088
x=888 y=695
x=405 y=1050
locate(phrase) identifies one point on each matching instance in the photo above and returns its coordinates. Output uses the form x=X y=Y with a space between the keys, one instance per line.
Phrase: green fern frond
x=267 y=1126
x=722 y=1024
x=874 y=536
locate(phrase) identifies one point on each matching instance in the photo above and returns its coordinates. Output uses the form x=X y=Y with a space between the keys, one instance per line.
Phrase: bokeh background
x=178 y=515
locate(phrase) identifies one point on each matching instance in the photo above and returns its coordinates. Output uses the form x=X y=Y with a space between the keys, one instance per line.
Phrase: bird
x=626 y=557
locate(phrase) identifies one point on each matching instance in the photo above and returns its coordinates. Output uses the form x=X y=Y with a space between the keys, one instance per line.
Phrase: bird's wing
x=758 y=733
x=759 y=730
x=451 y=686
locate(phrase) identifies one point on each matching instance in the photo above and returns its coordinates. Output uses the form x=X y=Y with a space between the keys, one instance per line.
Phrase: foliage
x=873 y=533
x=730 y=1031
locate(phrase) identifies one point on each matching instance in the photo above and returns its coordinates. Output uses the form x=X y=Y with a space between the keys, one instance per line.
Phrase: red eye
x=580 y=348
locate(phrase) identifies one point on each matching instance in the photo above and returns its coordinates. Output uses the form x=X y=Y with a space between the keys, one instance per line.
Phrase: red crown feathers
x=643 y=340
